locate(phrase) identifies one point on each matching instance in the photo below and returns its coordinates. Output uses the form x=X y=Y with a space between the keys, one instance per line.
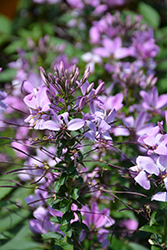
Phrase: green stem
x=165 y=231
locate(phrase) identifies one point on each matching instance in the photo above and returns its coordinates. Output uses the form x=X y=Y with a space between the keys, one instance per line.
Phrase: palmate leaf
x=22 y=241
x=13 y=219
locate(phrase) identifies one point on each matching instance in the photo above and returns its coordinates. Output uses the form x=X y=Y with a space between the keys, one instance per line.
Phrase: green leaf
x=150 y=15
x=13 y=219
x=155 y=228
x=66 y=229
x=62 y=179
x=6 y=25
x=81 y=225
x=56 y=186
x=74 y=174
x=52 y=235
x=67 y=217
x=71 y=168
x=80 y=156
x=135 y=246
x=22 y=241
x=61 y=245
x=119 y=244
x=13 y=46
x=56 y=219
x=156 y=247
x=64 y=205
x=7 y=75
x=75 y=193
x=156 y=217
x=80 y=180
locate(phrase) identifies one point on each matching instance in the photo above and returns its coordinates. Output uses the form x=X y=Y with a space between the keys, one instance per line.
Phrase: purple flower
x=42 y=224
x=99 y=123
x=58 y=123
x=130 y=226
x=3 y=104
x=160 y=196
x=112 y=102
x=113 y=48
x=144 y=44
x=151 y=100
x=38 y=104
x=46 y=1
x=145 y=166
x=162 y=165
x=138 y=125
x=154 y=141
x=97 y=221
x=91 y=59
x=38 y=199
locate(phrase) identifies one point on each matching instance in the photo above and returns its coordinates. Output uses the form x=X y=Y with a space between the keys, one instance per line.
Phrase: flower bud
x=81 y=103
x=90 y=88
x=62 y=67
x=99 y=89
x=51 y=78
x=86 y=75
x=44 y=77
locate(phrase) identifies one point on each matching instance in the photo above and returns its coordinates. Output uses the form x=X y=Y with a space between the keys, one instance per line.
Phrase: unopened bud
x=41 y=43
x=76 y=74
x=62 y=67
x=86 y=75
x=44 y=77
x=81 y=103
x=51 y=78
x=162 y=130
x=66 y=74
x=153 y=82
x=99 y=89
x=90 y=88
x=56 y=72
x=67 y=85
x=149 y=79
x=74 y=69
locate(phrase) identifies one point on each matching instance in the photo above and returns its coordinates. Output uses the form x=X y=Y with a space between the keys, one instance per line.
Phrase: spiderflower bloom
x=144 y=168
x=154 y=141
x=38 y=104
x=151 y=100
x=97 y=221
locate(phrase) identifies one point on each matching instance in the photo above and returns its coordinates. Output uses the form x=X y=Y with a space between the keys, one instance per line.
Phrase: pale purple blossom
x=144 y=167
x=99 y=123
x=154 y=142
x=38 y=199
x=151 y=100
x=130 y=226
x=39 y=106
x=160 y=196
x=97 y=221
x=113 y=48
x=144 y=44
x=112 y=102
x=137 y=127
x=42 y=224
x=57 y=123
x=91 y=59
x=3 y=104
